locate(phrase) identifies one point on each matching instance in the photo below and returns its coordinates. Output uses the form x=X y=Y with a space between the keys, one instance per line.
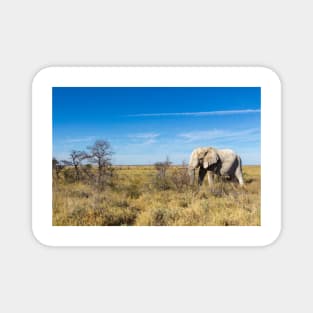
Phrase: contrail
x=229 y=112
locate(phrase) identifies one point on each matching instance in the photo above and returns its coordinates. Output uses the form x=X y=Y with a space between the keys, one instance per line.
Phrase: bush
x=180 y=178
x=159 y=216
x=162 y=183
x=132 y=191
x=119 y=216
x=88 y=173
x=69 y=175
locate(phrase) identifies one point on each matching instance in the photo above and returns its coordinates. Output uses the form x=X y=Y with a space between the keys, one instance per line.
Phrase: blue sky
x=146 y=124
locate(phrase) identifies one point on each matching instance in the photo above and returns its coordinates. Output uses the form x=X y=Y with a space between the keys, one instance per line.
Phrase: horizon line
x=152 y=164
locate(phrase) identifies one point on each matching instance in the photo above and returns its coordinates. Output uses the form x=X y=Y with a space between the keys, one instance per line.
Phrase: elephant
x=221 y=162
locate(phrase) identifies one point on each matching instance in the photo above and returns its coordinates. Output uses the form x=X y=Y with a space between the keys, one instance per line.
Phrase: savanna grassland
x=140 y=196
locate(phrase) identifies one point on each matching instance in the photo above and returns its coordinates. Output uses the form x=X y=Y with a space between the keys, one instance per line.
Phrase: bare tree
x=57 y=167
x=100 y=153
x=161 y=180
x=180 y=177
x=76 y=158
x=162 y=167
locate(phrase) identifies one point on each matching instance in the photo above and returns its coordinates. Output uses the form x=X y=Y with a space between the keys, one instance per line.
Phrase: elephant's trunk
x=191 y=172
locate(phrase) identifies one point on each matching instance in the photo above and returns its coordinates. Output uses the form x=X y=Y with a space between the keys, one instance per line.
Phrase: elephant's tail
x=240 y=163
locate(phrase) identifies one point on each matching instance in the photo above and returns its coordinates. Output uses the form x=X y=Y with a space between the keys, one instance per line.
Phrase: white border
x=262 y=235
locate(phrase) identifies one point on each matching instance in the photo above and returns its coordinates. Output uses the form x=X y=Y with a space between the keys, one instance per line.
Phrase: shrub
x=69 y=175
x=119 y=216
x=132 y=191
x=162 y=183
x=159 y=216
x=180 y=178
x=88 y=174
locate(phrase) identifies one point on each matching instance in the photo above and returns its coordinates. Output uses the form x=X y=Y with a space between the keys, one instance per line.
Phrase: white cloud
x=208 y=113
x=144 y=138
x=144 y=135
x=219 y=134
x=200 y=135
x=79 y=140
x=149 y=141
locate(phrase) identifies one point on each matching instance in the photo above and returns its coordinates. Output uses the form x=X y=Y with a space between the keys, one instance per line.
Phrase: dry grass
x=136 y=199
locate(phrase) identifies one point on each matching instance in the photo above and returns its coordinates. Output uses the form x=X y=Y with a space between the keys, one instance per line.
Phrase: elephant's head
x=201 y=157
x=211 y=159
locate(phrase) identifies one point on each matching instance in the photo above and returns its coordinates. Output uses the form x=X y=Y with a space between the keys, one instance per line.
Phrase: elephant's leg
x=202 y=173
x=210 y=178
x=238 y=174
x=191 y=172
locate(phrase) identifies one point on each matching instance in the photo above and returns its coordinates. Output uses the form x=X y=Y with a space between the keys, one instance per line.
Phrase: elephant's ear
x=210 y=158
